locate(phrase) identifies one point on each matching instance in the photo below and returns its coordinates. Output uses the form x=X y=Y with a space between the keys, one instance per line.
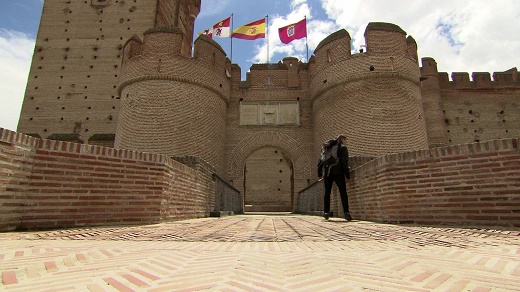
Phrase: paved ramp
x=262 y=253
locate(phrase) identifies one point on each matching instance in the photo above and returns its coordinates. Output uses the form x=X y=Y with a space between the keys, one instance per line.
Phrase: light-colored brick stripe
x=353 y=256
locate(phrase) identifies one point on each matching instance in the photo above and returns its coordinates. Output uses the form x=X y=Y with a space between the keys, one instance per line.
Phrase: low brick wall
x=471 y=184
x=50 y=184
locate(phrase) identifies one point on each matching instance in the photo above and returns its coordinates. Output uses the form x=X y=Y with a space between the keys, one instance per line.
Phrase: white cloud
x=317 y=30
x=15 y=58
x=467 y=36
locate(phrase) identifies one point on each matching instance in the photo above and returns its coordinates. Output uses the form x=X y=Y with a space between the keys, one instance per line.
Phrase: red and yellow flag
x=252 y=31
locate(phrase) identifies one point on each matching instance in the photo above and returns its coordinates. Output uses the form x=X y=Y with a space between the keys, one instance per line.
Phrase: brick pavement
x=262 y=253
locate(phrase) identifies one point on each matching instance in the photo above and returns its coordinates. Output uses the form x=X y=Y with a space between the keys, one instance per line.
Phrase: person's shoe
x=348 y=217
x=326 y=216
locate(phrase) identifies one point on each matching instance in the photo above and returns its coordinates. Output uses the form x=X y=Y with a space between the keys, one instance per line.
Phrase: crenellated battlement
x=369 y=90
x=480 y=80
x=159 y=56
x=386 y=39
x=167 y=94
x=286 y=74
x=461 y=80
x=389 y=53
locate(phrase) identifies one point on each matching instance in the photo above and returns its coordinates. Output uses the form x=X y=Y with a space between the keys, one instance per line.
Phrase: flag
x=208 y=32
x=221 y=29
x=293 y=31
x=251 y=31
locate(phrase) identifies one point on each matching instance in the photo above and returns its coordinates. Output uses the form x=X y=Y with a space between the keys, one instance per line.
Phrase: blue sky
x=462 y=35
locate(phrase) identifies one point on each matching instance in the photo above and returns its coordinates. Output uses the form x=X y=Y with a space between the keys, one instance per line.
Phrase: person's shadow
x=339 y=220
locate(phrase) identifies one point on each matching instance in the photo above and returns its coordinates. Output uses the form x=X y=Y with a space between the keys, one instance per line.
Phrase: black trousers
x=340 y=181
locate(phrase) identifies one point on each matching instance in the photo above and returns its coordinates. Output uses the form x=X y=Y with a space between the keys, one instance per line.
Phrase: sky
x=461 y=35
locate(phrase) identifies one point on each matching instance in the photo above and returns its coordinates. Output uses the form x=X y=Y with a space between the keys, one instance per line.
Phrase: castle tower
x=431 y=94
x=180 y=14
x=172 y=103
x=71 y=90
x=373 y=97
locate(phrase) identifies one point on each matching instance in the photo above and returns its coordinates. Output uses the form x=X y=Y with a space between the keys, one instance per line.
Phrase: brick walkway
x=262 y=253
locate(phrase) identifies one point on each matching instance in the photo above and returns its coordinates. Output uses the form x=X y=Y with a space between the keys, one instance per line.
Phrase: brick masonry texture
x=472 y=184
x=262 y=253
x=128 y=70
x=51 y=184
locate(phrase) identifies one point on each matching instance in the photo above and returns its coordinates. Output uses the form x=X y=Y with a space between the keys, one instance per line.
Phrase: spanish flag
x=252 y=31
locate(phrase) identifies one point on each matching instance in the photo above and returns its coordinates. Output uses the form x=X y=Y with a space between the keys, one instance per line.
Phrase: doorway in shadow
x=268 y=181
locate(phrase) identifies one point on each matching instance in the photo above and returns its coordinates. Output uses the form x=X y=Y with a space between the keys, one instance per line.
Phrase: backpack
x=329 y=155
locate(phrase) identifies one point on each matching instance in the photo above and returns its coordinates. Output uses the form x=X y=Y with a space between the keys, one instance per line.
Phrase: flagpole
x=306 y=40
x=231 y=38
x=267 y=36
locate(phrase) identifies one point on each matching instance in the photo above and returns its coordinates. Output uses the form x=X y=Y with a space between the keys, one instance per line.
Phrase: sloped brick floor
x=280 y=252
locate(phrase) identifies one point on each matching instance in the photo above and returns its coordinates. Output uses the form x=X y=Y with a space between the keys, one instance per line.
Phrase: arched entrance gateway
x=268 y=181
x=269 y=168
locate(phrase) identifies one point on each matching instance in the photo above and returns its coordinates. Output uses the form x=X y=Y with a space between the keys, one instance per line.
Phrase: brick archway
x=289 y=145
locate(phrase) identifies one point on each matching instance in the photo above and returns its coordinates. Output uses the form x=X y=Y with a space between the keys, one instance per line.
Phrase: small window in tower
x=328 y=56
x=98 y=4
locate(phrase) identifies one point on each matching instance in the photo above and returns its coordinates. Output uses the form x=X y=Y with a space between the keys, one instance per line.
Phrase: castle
x=122 y=74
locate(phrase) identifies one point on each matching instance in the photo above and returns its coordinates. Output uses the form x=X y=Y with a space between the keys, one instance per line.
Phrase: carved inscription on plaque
x=269 y=113
x=288 y=114
x=249 y=114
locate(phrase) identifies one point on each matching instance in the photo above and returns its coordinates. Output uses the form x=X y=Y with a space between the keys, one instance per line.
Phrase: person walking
x=334 y=169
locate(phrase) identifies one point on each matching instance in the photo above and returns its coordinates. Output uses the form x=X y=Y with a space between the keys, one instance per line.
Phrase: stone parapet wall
x=51 y=184
x=471 y=184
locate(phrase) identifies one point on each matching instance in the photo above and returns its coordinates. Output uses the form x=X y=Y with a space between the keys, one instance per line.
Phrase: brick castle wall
x=284 y=81
x=75 y=67
x=172 y=104
x=374 y=97
x=150 y=94
x=50 y=184
x=471 y=184
x=482 y=109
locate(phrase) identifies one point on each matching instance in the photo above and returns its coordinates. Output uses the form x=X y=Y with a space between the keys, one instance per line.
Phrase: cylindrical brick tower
x=173 y=104
x=431 y=93
x=373 y=97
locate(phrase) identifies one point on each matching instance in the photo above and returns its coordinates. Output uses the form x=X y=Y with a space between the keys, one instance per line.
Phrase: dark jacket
x=341 y=168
